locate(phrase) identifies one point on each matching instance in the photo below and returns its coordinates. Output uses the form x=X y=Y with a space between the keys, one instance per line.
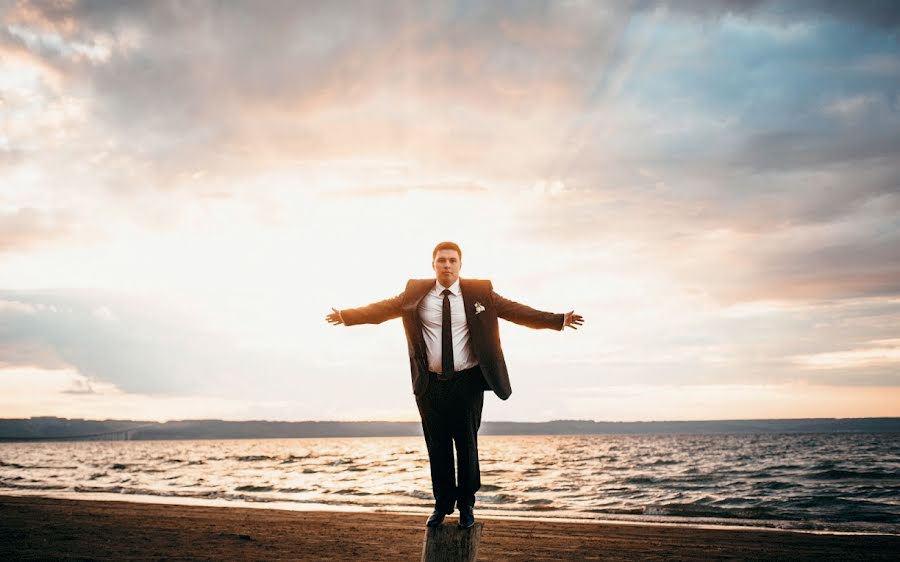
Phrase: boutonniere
x=479 y=308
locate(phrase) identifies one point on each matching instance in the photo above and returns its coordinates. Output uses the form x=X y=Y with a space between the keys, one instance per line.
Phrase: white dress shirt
x=431 y=313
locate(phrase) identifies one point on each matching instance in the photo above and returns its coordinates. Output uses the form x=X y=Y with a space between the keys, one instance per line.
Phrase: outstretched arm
x=375 y=313
x=527 y=316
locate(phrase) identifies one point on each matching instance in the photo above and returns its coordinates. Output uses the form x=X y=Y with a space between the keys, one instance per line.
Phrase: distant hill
x=52 y=428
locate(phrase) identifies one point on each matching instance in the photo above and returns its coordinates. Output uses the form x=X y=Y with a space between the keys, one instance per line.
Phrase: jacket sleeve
x=525 y=315
x=374 y=313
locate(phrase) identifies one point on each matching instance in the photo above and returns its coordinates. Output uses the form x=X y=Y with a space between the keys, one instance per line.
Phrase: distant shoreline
x=63 y=429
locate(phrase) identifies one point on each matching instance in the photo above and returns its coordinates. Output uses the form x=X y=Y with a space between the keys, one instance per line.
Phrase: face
x=446 y=266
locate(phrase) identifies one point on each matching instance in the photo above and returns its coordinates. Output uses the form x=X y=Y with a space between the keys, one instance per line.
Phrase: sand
x=42 y=528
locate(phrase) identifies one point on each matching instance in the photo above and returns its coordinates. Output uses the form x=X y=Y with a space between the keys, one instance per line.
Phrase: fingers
x=334 y=318
x=574 y=320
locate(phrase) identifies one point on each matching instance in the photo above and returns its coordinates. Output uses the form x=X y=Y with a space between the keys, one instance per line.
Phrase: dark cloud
x=213 y=82
x=139 y=348
x=788 y=150
x=211 y=85
x=847 y=268
x=883 y=14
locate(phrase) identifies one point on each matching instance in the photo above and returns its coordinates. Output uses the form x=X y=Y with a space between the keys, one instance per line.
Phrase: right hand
x=573 y=320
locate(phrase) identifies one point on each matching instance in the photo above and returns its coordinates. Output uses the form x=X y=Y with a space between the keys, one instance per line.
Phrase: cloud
x=67 y=393
x=27 y=228
x=125 y=343
x=877 y=353
x=288 y=78
x=395 y=190
x=877 y=14
x=670 y=163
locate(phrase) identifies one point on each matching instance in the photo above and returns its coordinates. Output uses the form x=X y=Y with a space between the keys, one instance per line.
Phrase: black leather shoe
x=435 y=519
x=466 y=517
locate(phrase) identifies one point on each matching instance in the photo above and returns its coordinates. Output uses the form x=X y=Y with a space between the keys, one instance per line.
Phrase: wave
x=351 y=492
x=254 y=489
x=843 y=474
x=641 y=480
x=496 y=498
x=785 y=467
x=774 y=485
x=36 y=466
x=538 y=501
x=291 y=459
x=705 y=510
x=419 y=494
x=15 y=486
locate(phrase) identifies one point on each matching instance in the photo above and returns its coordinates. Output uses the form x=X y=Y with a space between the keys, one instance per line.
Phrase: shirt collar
x=454 y=288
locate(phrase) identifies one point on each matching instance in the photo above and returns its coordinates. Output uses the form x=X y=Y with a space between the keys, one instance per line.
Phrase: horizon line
x=483 y=422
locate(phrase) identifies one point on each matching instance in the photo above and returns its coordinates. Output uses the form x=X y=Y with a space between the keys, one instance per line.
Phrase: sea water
x=828 y=481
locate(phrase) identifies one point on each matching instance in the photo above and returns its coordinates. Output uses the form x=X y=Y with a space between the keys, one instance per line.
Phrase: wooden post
x=448 y=543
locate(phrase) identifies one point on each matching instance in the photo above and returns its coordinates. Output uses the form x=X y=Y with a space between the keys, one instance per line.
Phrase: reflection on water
x=827 y=481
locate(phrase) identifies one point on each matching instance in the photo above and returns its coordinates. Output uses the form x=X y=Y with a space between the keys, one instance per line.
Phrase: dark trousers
x=451 y=414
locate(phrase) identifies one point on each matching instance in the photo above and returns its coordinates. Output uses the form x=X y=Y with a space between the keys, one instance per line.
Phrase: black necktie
x=446 y=337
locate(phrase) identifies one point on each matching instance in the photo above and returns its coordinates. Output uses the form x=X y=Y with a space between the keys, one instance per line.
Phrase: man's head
x=446 y=259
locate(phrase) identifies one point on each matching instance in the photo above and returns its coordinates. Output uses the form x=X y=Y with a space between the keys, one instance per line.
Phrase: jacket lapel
x=470 y=297
x=417 y=293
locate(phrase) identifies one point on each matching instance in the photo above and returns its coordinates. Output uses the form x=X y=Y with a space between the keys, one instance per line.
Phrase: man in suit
x=454 y=356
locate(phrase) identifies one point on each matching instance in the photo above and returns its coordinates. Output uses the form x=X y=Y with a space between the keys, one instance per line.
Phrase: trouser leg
x=439 y=440
x=465 y=436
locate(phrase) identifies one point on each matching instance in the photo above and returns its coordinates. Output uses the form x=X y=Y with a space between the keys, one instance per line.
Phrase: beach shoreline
x=484 y=512
x=41 y=527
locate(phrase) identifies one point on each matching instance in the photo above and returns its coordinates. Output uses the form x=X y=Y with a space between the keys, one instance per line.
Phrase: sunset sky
x=186 y=188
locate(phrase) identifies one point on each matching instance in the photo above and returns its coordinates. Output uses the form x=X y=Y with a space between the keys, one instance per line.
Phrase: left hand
x=573 y=320
x=335 y=317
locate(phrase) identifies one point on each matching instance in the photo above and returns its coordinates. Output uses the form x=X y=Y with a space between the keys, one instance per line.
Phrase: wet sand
x=43 y=528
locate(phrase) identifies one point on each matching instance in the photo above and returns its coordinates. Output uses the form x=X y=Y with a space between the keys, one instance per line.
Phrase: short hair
x=446 y=246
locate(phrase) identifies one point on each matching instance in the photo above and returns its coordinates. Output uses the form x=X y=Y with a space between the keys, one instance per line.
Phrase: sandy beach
x=43 y=528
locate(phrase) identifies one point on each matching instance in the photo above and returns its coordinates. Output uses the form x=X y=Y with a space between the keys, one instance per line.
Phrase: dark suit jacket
x=483 y=330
